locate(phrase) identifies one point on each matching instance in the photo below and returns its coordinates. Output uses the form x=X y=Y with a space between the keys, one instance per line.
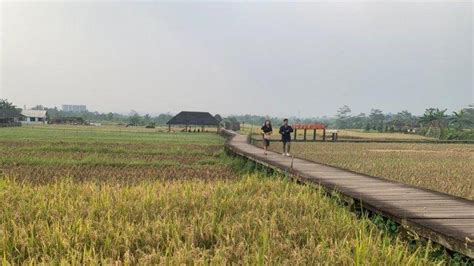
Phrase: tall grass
x=254 y=220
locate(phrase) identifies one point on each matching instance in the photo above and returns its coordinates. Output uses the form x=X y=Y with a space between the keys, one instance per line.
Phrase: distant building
x=10 y=118
x=34 y=117
x=74 y=108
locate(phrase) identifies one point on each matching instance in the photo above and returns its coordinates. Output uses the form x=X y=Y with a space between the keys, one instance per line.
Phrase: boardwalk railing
x=258 y=138
x=442 y=218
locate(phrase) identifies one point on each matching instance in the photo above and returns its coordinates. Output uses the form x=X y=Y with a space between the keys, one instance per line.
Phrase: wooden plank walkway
x=445 y=219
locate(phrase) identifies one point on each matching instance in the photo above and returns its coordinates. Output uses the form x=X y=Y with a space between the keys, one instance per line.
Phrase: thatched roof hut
x=186 y=118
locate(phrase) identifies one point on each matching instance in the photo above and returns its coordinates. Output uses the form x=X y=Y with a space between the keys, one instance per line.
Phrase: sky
x=265 y=58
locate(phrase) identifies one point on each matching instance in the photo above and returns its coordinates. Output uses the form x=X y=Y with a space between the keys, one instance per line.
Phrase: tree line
x=434 y=122
x=133 y=118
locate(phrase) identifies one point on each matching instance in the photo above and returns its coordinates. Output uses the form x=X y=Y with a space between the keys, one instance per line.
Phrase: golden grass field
x=447 y=168
x=85 y=195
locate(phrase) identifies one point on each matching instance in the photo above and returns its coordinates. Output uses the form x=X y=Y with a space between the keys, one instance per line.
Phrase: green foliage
x=367 y=127
x=459 y=135
x=434 y=117
x=135 y=119
x=385 y=224
x=377 y=118
x=218 y=117
x=5 y=104
x=342 y=117
x=461 y=120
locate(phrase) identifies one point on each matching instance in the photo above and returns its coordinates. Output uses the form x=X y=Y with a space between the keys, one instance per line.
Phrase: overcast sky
x=280 y=59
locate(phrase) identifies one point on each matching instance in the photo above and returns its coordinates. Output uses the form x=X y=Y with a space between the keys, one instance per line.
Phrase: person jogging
x=285 y=132
x=267 y=132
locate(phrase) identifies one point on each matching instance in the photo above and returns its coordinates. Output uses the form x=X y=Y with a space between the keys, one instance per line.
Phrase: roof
x=9 y=113
x=193 y=118
x=34 y=113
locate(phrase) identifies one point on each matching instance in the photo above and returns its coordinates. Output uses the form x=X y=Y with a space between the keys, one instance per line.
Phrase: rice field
x=447 y=168
x=94 y=196
x=48 y=154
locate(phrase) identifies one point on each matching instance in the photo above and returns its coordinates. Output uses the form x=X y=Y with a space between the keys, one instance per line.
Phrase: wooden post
x=324 y=134
x=304 y=135
x=314 y=135
x=295 y=134
x=169 y=128
x=333 y=137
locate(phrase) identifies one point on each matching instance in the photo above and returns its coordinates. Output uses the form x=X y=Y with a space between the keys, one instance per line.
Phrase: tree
x=218 y=117
x=435 y=120
x=5 y=104
x=162 y=119
x=110 y=117
x=231 y=119
x=358 y=121
x=407 y=118
x=376 y=119
x=147 y=119
x=469 y=115
x=367 y=127
x=403 y=120
x=134 y=118
x=434 y=117
x=343 y=117
x=460 y=120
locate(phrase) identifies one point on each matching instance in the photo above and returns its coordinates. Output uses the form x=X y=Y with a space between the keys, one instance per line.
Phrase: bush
x=459 y=135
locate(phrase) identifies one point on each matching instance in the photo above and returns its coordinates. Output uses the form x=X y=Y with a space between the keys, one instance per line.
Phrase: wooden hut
x=187 y=119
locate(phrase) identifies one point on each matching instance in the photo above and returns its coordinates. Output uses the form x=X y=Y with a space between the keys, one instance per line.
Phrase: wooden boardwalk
x=445 y=219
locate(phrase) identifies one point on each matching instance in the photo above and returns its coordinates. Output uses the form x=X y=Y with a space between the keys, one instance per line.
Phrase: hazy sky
x=281 y=59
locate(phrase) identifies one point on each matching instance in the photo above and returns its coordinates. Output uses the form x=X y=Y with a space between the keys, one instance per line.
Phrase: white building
x=74 y=108
x=34 y=117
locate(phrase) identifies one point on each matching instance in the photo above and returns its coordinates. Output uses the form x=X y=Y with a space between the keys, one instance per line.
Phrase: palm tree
x=460 y=120
x=434 y=117
x=435 y=120
x=428 y=117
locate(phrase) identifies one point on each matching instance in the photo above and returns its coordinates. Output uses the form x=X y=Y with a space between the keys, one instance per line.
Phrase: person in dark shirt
x=267 y=132
x=285 y=132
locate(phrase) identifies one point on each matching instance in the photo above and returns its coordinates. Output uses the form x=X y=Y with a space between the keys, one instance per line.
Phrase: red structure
x=313 y=127
x=309 y=126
